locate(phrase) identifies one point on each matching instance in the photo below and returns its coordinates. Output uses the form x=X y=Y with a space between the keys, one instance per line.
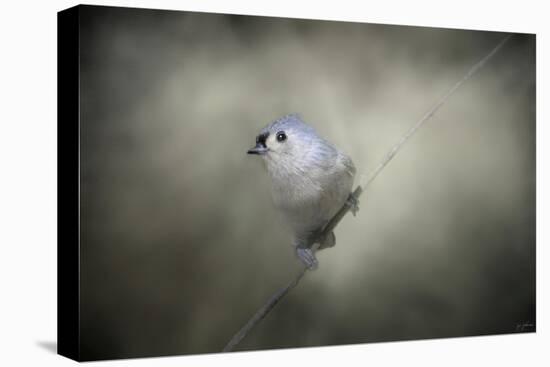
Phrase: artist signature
x=524 y=326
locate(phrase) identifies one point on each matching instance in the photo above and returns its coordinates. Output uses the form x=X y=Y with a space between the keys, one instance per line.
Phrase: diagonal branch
x=276 y=297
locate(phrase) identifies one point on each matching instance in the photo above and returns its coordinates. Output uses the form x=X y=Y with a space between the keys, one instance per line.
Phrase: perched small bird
x=311 y=181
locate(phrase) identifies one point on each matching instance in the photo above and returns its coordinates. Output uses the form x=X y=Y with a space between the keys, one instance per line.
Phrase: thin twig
x=393 y=151
x=263 y=311
x=275 y=298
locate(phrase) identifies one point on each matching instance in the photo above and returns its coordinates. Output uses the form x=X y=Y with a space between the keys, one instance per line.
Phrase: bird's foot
x=308 y=257
x=353 y=204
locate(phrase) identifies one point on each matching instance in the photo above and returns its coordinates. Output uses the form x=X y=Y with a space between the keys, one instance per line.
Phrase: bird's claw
x=308 y=257
x=353 y=204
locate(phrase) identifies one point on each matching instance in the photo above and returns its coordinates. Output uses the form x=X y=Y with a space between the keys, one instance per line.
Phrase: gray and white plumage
x=311 y=179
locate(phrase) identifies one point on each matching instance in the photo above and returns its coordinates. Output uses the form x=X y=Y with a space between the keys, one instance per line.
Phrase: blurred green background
x=180 y=243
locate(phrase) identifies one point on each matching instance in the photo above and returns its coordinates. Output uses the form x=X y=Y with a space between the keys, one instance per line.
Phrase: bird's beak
x=258 y=149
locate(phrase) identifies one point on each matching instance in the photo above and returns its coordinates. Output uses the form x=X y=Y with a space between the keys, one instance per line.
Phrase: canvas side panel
x=68 y=217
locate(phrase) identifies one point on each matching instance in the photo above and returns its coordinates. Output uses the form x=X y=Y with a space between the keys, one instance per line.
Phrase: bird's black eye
x=281 y=136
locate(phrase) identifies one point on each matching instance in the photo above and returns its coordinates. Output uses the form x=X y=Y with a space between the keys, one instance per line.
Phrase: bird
x=311 y=180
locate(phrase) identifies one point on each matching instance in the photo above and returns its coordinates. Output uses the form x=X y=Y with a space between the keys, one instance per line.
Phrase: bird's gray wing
x=348 y=164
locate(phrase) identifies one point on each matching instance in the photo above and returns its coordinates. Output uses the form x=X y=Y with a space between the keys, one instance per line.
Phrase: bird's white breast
x=307 y=199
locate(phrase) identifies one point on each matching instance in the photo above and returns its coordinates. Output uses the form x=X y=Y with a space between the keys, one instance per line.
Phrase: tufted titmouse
x=311 y=180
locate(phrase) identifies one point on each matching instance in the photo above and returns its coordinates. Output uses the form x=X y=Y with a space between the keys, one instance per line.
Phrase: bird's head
x=286 y=140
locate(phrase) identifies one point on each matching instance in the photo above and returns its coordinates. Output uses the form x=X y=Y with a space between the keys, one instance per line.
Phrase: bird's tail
x=328 y=241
